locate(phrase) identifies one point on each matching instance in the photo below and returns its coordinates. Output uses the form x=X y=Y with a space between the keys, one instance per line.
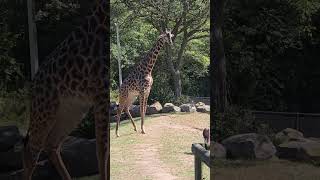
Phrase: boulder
x=10 y=160
x=204 y=108
x=135 y=110
x=169 y=107
x=187 y=108
x=200 y=104
x=113 y=108
x=9 y=136
x=303 y=149
x=249 y=146
x=287 y=135
x=154 y=108
x=78 y=154
x=217 y=150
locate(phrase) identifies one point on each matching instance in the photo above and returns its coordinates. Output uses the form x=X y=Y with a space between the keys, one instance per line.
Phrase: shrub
x=181 y=100
x=15 y=106
x=114 y=95
x=237 y=120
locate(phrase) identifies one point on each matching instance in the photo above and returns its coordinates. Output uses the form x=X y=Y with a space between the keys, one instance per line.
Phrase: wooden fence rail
x=200 y=155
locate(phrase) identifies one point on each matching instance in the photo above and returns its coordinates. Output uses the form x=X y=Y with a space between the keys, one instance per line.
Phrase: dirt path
x=147 y=154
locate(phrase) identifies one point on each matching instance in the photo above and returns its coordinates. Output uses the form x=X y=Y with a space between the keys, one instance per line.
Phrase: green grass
x=171 y=145
x=174 y=149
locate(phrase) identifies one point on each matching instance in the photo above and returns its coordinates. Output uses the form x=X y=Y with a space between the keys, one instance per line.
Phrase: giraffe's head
x=167 y=36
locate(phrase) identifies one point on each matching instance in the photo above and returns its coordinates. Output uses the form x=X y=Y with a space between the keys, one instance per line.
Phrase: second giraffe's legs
x=30 y=158
x=55 y=158
x=143 y=107
x=119 y=111
x=128 y=112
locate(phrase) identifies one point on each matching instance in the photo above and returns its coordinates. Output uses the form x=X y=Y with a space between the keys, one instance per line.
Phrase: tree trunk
x=219 y=64
x=175 y=73
x=32 y=39
x=177 y=83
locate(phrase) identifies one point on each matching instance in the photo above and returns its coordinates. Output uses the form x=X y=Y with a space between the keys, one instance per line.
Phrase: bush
x=181 y=100
x=114 y=95
x=15 y=107
x=237 y=120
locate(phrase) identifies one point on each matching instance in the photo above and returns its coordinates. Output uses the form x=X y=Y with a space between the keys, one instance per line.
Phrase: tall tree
x=32 y=39
x=219 y=64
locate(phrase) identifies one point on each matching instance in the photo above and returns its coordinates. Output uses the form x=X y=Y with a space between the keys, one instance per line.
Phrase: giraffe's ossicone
x=74 y=78
x=139 y=82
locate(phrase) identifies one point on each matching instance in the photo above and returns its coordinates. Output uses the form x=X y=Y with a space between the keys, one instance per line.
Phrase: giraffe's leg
x=101 y=115
x=55 y=158
x=129 y=114
x=30 y=158
x=119 y=111
x=143 y=106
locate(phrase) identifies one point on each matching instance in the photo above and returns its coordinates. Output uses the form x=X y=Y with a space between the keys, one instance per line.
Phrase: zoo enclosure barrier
x=307 y=123
x=200 y=155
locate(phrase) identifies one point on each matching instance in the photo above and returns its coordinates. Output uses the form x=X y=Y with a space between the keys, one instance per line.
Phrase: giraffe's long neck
x=147 y=64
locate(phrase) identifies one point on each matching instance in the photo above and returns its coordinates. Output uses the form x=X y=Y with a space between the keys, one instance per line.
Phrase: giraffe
x=73 y=78
x=139 y=82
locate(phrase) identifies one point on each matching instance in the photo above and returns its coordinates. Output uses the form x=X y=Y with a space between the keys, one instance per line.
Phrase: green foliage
x=10 y=70
x=265 y=43
x=86 y=129
x=139 y=29
x=237 y=120
x=15 y=106
x=114 y=96
x=181 y=100
x=55 y=10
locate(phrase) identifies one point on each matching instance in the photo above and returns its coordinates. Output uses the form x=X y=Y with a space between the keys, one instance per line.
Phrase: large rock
x=135 y=110
x=154 y=108
x=249 y=146
x=203 y=109
x=169 y=107
x=302 y=149
x=113 y=108
x=287 y=135
x=217 y=150
x=187 y=108
x=200 y=104
x=79 y=156
x=9 y=136
x=10 y=160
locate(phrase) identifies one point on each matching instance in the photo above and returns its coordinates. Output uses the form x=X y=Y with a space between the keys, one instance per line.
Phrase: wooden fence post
x=200 y=155
x=197 y=168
